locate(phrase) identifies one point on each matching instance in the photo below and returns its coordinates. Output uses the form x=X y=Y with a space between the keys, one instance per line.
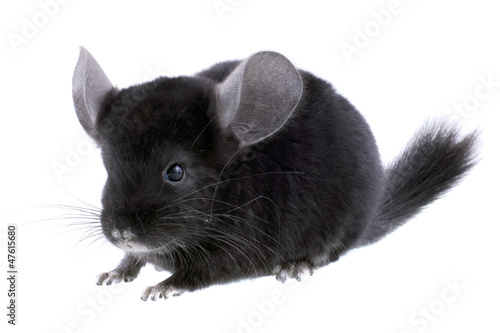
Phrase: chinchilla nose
x=127 y=240
x=123 y=235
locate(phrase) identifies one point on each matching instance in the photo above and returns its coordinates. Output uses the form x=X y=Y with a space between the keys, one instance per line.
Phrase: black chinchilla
x=249 y=168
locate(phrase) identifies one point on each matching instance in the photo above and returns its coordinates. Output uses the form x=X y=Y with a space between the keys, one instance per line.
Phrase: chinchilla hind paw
x=294 y=270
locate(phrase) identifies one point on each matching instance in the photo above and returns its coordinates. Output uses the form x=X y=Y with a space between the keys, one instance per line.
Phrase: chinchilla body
x=249 y=168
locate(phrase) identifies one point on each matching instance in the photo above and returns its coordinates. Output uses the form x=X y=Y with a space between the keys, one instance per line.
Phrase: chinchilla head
x=171 y=147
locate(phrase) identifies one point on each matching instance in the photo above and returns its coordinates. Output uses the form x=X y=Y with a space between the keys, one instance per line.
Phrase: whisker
x=203 y=130
x=176 y=201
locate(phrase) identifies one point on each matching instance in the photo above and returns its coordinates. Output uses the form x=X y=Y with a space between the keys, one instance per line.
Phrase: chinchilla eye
x=174 y=173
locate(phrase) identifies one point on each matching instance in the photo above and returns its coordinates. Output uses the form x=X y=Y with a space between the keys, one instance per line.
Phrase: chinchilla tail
x=433 y=162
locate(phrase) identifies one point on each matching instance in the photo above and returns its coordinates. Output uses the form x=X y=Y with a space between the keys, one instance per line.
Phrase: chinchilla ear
x=259 y=96
x=90 y=88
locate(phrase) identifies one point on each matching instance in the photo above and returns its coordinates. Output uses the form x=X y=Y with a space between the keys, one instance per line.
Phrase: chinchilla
x=249 y=168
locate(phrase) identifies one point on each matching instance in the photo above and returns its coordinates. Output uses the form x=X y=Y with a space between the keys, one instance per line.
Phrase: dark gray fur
x=249 y=168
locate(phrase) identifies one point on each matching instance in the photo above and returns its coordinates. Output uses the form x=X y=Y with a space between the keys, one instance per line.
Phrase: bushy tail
x=433 y=162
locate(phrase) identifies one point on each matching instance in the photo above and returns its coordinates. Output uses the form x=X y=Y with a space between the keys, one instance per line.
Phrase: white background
x=422 y=61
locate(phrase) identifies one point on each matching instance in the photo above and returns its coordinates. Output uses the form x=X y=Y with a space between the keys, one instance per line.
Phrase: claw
x=113 y=277
x=160 y=291
x=294 y=271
